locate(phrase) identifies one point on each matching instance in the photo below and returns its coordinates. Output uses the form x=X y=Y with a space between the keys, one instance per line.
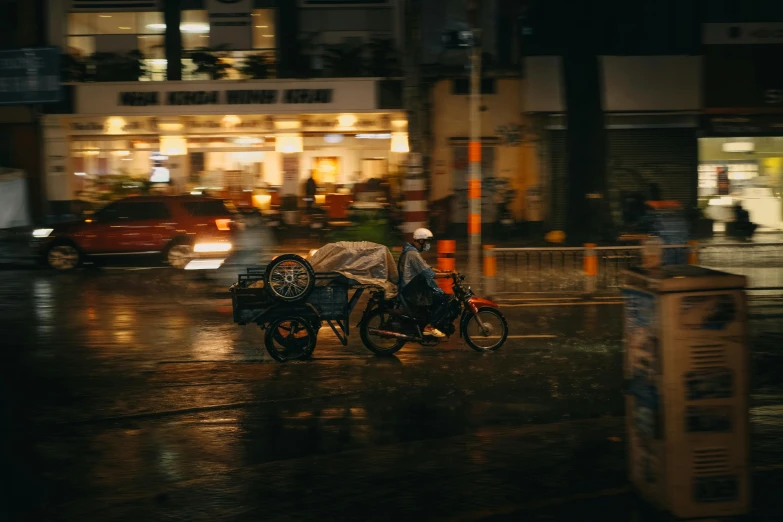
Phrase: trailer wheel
x=289 y=278
x=290 y=339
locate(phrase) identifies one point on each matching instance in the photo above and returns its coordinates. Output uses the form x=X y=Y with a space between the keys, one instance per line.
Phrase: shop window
x=148 y=27
x=374 y=168
x=206 y=208
x=264 y=29
x=462 y=86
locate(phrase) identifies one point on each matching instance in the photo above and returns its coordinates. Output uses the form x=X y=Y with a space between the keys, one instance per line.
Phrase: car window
x=152 y=210
x=206 y=208
x=133 y=211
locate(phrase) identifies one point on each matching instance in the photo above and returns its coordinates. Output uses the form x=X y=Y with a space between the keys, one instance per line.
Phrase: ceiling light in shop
x=124 y=28
x=158 y=157
x=230 y=120
x=289 y=143
x=170 y=126
x=79 y=173
x=115 y=125
x=121 y=153
x=333 y=138
x=375 y=136
x=739 y=146
x=105 y=16
x=346 y=120
x=156 y=26
x=248 y=140
x=194 y=28
x=91 y=152
x=173 y=145
x=399 y=142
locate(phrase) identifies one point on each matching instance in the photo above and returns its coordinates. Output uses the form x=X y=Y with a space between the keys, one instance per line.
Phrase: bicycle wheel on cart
x=289 y=278
x=290 y=339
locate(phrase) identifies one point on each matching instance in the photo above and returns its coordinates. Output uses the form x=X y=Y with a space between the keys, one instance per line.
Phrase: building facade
x=20 y=141
x=227 y=128
x=741 y=148
x=509 y=155
x=652 y=108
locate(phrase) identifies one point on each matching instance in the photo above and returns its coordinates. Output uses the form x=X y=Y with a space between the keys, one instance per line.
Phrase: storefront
x=651 y=108
x=741 y=162
x=253 y=141
x=509 y=162
x=741 y=151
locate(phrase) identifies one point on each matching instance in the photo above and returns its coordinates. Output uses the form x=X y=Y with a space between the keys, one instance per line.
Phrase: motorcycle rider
x=417 y=281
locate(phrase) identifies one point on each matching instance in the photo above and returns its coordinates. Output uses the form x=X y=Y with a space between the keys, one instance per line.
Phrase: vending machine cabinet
x=686 y=365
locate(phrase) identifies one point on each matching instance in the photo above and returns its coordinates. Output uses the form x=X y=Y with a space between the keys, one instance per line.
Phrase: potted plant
x=257 y=67
x=210 y=62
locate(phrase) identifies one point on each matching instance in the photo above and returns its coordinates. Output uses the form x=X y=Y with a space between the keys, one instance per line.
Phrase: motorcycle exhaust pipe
x=388 y=333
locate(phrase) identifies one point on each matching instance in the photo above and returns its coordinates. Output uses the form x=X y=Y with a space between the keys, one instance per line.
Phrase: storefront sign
x=355 y=96
x=230 y=97
x=107 y=126
x=743 y=34
x=230 y=24
x=761 y=125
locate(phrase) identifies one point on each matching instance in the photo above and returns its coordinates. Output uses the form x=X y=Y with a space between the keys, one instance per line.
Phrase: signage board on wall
x=739 y=66
x=230 y=97
x=739 y=125
x=30 y=76
x=230 y=24
x=742 y=34
x=290 y=174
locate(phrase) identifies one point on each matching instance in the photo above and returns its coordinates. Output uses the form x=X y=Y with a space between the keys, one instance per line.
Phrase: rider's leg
x=438 y=312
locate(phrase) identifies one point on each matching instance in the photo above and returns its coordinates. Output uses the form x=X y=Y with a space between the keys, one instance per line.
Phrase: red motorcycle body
x=474 y=303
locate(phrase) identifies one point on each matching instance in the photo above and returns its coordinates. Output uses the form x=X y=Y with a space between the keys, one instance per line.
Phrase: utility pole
x=474 y=145
x=414 y=184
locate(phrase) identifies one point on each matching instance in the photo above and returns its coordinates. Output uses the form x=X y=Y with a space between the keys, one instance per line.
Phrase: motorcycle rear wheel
x=377 y=344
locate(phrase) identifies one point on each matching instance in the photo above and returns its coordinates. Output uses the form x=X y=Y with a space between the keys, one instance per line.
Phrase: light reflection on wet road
x=131 y=395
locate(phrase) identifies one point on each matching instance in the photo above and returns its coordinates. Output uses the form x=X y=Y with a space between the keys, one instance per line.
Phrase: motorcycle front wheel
x=486 y=331
x=378 y=344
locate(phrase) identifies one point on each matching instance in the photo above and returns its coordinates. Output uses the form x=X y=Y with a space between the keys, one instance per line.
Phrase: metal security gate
x=668 y=157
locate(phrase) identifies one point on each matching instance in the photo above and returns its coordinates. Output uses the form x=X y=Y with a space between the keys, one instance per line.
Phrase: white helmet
x=422 y=234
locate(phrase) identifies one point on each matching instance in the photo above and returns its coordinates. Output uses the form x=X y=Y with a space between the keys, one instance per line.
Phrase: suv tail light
x=223 y=224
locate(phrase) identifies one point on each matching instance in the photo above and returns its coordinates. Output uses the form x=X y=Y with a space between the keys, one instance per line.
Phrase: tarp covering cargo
x=364 y=262
x=13 y=199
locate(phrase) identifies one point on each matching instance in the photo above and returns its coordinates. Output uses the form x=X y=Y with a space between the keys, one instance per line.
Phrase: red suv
x=186 y=230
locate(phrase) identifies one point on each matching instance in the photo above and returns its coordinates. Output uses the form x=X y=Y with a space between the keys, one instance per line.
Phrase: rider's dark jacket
x=417 y=278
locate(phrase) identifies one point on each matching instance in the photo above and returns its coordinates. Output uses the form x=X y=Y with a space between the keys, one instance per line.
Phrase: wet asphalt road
x=131 y=395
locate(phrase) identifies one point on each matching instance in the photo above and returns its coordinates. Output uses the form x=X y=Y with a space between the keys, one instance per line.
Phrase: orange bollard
x=693 y=253
x=447 y=260
x=590 y=269
x=490 y=270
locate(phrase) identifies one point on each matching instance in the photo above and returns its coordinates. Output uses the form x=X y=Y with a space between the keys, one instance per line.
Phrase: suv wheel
x=63 y=257
x=179 y=255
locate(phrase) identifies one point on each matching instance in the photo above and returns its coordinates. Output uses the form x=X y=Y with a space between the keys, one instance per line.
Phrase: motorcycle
x=388 y=324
